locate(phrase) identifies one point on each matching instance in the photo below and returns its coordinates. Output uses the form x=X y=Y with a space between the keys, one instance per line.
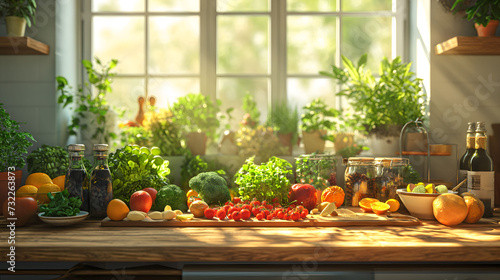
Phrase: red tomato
x=141 y=201
x=24 y=209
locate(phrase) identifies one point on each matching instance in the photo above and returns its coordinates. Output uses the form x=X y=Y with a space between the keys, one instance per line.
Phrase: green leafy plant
x=260 y=141
x=351 y=150
x=252 y=113
x=266 y=181
x=383 y=105
x=14 y=143
x=316 y=170
x=196 y=113
x=318 y=116
x=20 y=8
x=134 y=168
x=284 y=119
x=164 y=132
x=51 y=160
x=87 y=102
x=61 y=205
x=479 y=11
x=137 y=135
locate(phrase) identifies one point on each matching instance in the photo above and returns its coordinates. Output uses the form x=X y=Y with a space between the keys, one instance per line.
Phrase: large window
x=272 y=49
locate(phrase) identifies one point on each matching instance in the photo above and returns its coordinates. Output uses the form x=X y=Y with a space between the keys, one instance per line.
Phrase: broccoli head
x=171 y=195
x=211 y=187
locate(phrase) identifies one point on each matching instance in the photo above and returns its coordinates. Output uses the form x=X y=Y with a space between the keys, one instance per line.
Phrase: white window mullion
x=208 y=48
x=278 y=52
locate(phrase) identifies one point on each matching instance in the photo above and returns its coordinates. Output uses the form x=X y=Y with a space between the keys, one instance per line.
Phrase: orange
x=366 y=203
x=380 y=208
x=333 y=194
x=449 y=209
x=475 y=209
x=44 y=189
x=27 y=190
x=394 y=204
x=192 y=195
x=59 y=180
x=117 y=210
x=38 y=179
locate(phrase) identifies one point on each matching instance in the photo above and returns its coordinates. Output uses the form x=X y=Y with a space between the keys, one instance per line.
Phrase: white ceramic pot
x=383 y=146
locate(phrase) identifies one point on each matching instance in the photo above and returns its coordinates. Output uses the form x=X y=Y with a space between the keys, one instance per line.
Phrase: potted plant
x=285 y=121
x=92 y=116
x=317 y=119
x=197 y=116
x=18 y=13
x=383 y=105
x=484 y=13
x=13 y=154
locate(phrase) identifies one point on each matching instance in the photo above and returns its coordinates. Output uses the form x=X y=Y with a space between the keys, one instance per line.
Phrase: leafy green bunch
x=51 y=160
x=14 y=143
x=266 y=181
x=86 y=101
x=383 y=104
x=134 y=168
x=61 y=205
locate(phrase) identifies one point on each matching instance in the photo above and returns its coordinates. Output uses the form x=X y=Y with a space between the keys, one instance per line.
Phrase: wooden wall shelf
x=22 y=46
x=469 y=46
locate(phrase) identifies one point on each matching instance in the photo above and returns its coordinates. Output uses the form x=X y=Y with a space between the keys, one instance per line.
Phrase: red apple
x=152 y=192
x=24 y=210
x=303 y=194
x=141 y=201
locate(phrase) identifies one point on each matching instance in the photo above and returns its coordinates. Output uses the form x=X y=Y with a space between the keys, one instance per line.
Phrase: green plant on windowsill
x=163 y=132
x=196 y=113
x=260 y=142
x=284 y=120
x=383 y=105
x=88 y=104
x=252 y=113
x=14 y=143
x=317 y=116
x=479 y=11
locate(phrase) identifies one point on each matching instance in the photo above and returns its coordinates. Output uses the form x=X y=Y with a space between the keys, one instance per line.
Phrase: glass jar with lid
x=360 y=179
x=390 y=176
x=318 y=170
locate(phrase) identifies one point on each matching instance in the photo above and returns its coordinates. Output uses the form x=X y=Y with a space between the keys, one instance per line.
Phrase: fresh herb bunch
x=87 y=101
x=134 y=168
x=51 y=160
x=267 y=181
x=61 y=205
x=14 y=143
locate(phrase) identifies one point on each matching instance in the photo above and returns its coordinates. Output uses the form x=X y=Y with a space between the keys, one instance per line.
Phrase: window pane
x=243 y=5
x=177 y=53
x=167 y=90
x=117 y=6
x=174 y=6
x=301 y=91
x=108 y=41
x=370 y=35
x=366 y=5
x=311 y=5
x=310 y=43
x=231 y=92
x=124 y=96
x=243 y=44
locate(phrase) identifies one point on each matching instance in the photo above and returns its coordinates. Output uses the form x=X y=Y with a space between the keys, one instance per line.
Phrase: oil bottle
x=77 y=180
x=101 y=183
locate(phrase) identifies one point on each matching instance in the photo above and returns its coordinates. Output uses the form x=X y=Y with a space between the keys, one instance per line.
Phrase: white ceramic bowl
x=419 y=204
x=64 y=221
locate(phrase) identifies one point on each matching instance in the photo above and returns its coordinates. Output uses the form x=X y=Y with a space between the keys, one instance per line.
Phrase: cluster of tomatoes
x=238 y=210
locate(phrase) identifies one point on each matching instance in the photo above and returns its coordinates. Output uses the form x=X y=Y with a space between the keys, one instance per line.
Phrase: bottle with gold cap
x=480 y=178
x=77 y=181
x=469 y=151
x=101 y=184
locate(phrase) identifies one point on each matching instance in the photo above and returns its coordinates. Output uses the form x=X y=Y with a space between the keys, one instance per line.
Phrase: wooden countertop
x=88 y=241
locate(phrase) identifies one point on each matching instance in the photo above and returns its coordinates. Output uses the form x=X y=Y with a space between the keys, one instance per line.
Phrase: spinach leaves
x=61 y=205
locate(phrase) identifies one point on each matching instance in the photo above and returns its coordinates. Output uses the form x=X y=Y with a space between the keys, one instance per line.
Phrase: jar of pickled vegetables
x=390 y=177
x=360 y=179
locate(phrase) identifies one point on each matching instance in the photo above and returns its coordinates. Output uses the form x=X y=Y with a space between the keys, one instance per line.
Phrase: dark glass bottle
x=101 y=183
x=469 y=151
x=480 y=178
x=77 y=181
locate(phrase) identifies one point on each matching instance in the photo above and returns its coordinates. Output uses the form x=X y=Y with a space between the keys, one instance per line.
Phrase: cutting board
x=346 y=217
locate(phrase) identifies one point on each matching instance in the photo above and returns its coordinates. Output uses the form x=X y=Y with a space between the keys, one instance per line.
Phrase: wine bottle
x=480 y=178
x=469 y=151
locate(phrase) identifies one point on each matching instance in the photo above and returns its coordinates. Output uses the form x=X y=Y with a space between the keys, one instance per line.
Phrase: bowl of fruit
x=418 y=198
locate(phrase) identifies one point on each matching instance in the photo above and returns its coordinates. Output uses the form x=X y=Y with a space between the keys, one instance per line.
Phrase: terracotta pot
x=4 y=185
x=197 y=143
x=16 y=26
x=286 y=141
x=488 y=30
x=313 y=141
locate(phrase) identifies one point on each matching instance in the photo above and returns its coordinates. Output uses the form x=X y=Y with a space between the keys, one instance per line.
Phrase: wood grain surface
x=89 y=241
